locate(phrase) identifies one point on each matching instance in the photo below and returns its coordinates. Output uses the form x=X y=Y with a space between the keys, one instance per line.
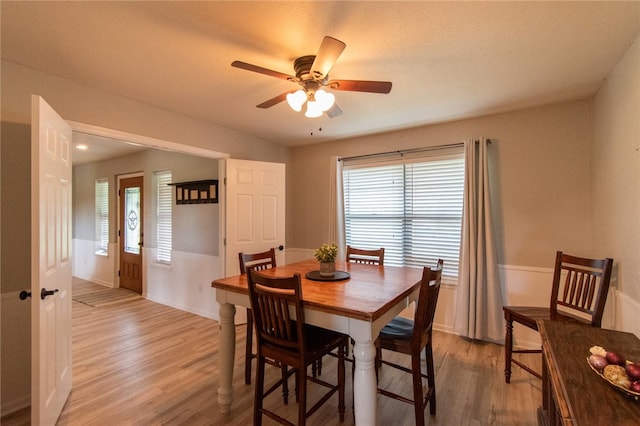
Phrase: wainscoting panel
x=185 y=284
x=94 y=267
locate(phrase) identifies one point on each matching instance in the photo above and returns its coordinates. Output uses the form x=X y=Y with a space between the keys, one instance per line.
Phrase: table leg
x=226 y=356
x=364 y=383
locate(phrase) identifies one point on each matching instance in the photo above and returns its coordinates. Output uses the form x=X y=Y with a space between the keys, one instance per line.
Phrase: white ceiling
x=447 y=60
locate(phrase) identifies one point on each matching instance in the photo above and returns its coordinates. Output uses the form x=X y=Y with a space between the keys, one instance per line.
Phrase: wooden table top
x=583 y=397
x=367 y=295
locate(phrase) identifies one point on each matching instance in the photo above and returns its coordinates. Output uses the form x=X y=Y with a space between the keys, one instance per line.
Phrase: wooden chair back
x=369 y=257
x=258 y=261
x=271 y=298
x=580 y=287
x=427 y=301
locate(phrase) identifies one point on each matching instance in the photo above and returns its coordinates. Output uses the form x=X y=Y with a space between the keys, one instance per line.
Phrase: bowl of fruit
x=616 y=370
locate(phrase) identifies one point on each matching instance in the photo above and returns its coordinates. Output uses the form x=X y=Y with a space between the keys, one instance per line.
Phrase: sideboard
x=572 y=393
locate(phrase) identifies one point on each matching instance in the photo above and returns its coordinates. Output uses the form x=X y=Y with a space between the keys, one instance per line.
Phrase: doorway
x=130 y=232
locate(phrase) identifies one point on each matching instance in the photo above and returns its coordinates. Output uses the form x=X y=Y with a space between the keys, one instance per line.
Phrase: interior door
x=130 y=232
x=255 y=210
x=51 y=372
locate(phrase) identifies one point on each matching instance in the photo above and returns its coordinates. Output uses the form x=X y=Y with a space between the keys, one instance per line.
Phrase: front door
x=50 y=263
x=130 y=233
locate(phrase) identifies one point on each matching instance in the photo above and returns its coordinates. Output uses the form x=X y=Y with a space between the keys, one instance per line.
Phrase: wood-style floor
x=142 y=363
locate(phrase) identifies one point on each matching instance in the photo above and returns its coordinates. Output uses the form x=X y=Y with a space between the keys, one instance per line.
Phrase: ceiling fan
x=312 y=74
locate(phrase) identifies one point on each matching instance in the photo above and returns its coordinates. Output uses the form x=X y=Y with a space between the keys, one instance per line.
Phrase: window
x=412 y=207
x=102 y=216
x=163 y=217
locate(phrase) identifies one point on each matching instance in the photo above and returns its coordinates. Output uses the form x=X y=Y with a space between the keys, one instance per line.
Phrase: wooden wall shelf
x=197 y=192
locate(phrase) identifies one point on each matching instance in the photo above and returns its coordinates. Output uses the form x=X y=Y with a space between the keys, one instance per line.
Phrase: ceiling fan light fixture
x=314 y=109
x=325 y=99
x=296 y=99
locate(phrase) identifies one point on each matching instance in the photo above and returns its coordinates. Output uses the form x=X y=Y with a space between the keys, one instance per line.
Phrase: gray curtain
x=479 y=298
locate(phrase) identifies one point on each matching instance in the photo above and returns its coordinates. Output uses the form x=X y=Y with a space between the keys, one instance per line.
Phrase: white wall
x=616 y=181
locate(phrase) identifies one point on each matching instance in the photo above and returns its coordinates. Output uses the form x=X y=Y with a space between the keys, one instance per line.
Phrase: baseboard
x=95 y=280
x=182 y=307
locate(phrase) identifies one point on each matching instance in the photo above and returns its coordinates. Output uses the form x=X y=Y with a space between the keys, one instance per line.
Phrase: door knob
x=24 y=294
x=280 y=247
x=44 y=293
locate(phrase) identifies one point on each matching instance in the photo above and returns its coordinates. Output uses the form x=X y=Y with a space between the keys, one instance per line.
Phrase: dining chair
x=370 y=257
x=411 y=337
x=399 y=322
x=578 y=294
x=290 y=342
x=258 y=261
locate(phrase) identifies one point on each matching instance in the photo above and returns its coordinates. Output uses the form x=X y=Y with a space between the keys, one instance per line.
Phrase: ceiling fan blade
x=334 y=111
x=260 y=70
x=327 y=55
x=361 y=86
x=274 y=101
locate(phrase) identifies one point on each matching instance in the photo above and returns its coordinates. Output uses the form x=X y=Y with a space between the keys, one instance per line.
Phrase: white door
x=255 y=210
x=50 y=263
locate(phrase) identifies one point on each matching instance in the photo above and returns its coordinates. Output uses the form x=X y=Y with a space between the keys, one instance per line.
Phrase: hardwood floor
x=142 y=363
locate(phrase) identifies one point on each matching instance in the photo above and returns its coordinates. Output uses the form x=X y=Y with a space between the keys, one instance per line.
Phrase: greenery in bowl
x=326 y=253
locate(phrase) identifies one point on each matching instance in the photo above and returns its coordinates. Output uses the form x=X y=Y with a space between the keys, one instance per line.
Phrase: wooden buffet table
x=572 y=393
x=359 y=306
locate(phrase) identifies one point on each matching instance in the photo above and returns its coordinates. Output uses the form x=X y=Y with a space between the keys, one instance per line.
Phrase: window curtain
x=479 y=297
x=336 y=203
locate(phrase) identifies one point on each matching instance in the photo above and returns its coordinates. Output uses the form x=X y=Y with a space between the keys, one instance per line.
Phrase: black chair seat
x=398 y=328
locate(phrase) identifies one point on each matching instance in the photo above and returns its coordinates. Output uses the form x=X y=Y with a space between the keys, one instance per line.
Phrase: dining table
x=359 y=300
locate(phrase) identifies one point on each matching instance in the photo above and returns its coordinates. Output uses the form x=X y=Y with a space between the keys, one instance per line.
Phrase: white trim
x=145 y=140
x=525 y=268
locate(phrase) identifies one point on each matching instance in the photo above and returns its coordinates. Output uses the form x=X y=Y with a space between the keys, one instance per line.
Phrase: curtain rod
x=406 y=151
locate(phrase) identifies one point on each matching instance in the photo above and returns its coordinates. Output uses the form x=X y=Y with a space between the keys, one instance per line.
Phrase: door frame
x=118 y=239
x=164 y=145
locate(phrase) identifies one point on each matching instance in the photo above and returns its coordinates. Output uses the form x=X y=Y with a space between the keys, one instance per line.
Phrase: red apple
x=633 y=371
x=635 y=386
x=598 y=362
x=615 y=358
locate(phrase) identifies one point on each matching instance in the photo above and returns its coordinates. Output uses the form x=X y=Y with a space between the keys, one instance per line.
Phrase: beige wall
x=195 y=228
x=541 y=180
x=76 y=102
x=616 y=170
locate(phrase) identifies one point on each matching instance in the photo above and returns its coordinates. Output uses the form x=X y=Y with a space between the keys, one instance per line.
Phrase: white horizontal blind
x=102 y=216
x=163 y=217
x=412 y=208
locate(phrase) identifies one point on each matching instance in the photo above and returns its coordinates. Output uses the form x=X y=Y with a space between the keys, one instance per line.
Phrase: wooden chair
x=399 y=322
x=370 y=257
x=411 y=338
x=258 y=261
x=291 y=343
x=579 y=293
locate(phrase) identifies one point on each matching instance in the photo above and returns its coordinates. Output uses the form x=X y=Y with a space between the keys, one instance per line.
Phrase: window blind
x=411 y=207
x=163 y=217
x=102 y=216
